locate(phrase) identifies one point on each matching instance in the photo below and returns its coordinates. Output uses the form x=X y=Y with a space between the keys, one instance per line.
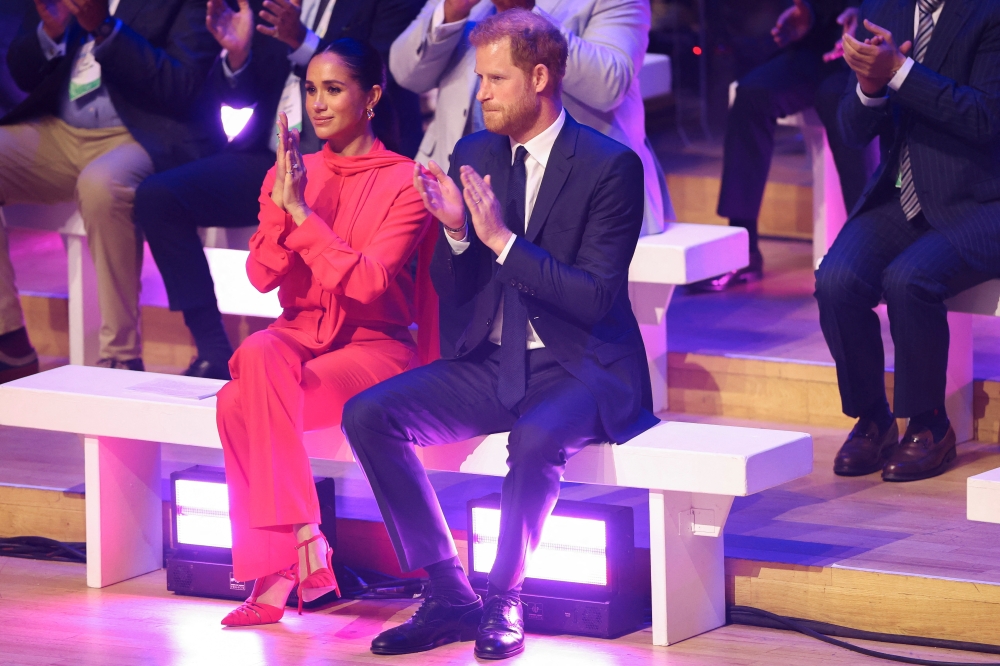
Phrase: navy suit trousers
x=880 y=254
x=452 y=400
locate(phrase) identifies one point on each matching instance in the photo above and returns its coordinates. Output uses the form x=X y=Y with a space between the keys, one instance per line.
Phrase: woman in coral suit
x=338 y=230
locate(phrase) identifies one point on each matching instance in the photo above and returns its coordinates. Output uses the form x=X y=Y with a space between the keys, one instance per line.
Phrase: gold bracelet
x=454 y=231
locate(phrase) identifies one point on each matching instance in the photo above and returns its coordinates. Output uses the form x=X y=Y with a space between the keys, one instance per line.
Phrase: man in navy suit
x=541 y=245
x=927 y=82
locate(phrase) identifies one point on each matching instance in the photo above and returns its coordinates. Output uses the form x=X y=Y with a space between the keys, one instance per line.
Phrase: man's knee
x=157 y=201
x=99 y=187
x=752 y=100
x=837 y=280
x=365 y=412
x=535 y=442
x=905 y=283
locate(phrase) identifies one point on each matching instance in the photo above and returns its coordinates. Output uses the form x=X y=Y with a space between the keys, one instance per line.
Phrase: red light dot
x=696 y=50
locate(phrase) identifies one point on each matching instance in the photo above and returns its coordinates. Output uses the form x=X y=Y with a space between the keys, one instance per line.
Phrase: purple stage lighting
x=582 y=577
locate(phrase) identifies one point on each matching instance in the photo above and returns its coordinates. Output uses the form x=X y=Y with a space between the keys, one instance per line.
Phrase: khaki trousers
x=48 y=161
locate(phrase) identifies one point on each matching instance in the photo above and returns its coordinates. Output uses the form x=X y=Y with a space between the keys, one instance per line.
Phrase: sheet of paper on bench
x=177 y=389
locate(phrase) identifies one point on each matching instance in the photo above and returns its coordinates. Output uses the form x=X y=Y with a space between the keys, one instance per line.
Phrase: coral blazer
x=350 y=262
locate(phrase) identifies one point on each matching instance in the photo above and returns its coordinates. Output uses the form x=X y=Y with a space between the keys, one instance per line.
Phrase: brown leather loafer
x=919 y=456
x=865 y=452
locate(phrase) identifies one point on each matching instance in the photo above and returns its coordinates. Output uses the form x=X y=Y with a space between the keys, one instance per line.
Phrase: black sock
x=493 y=591
x=449 y=582
x=751 y=227
x=16 y=343
x=881 y=415
x=935 y=420
x=205 y=324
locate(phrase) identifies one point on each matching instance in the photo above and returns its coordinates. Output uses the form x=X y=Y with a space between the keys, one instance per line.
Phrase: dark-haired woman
x=338 y=230
x=260 y=69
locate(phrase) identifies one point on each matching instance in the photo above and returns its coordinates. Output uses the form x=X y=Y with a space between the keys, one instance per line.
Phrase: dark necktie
x=925 y=28
x=514 y=335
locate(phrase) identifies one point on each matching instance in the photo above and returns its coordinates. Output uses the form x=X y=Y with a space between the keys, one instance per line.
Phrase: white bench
x=692 y=472
x=983 y=497
x=655 y=76
x=84 y=312
x=682 y=254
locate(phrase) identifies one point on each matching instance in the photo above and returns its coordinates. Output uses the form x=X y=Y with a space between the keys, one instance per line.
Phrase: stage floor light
x=582 y=577
x=199 y=558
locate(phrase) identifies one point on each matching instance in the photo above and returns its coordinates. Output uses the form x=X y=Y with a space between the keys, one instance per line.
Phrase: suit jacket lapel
x=949 y=24
x=556 y=172
x=904 y=14
x=498 y=167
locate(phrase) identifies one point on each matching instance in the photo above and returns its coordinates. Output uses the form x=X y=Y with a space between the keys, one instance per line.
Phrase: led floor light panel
x=572 y=550
x=202 y=513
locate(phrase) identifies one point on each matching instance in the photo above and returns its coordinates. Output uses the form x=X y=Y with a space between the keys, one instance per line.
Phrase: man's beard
x=515 y=118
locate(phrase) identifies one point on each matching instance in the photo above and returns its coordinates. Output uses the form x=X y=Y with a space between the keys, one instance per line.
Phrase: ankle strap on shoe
x=311 y=539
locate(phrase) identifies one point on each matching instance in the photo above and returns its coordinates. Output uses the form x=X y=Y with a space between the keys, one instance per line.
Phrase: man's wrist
x=237 y=60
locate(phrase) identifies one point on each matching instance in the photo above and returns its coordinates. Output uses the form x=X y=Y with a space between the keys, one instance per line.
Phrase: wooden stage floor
x=49 y=617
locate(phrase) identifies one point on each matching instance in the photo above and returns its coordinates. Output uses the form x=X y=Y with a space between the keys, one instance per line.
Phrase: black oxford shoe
x=501 y=633
x=201 y=367
x=865 y=451
x=919 y=456
x=435 y=623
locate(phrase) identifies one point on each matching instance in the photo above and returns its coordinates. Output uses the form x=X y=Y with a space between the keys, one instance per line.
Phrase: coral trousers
x=281 y=388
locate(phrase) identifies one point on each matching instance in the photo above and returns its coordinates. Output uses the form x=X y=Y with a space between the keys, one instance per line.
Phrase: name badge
x=291 y=103
x=86 y=72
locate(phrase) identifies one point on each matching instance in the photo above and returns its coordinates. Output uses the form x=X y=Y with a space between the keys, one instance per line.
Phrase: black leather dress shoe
x=752 y=272
x=919 y=456
x=201 y=367
x=866 y=451
x=501 y=633
x=435 y=623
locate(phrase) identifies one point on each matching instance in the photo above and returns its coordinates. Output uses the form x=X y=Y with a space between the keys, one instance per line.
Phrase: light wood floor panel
x=51 y=618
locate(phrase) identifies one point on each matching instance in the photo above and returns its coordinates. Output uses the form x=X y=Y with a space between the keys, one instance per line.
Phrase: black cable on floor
x=40 y=548
x=761 y=618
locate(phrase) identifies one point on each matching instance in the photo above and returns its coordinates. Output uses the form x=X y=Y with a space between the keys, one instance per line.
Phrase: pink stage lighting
x=573 y=550
x=202 y=510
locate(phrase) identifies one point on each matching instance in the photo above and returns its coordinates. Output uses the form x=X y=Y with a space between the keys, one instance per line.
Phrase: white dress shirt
x=538 y=149
x=897 y=80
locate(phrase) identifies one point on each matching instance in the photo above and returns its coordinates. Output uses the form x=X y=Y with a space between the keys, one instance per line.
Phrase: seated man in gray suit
x=607 y=42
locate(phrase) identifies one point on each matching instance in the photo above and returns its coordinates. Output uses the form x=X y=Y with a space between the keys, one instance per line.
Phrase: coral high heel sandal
x=321 y=581
x=251 y=613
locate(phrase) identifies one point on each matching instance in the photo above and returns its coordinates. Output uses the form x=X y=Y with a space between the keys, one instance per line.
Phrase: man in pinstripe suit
x=926 y=81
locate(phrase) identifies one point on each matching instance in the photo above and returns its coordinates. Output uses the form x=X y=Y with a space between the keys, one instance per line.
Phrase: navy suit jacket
x=571 y=266
x=154 y=69
x=948 y=110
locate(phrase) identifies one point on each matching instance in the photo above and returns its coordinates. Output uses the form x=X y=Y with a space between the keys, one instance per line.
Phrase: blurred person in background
x=807 y=71
x=115 y=93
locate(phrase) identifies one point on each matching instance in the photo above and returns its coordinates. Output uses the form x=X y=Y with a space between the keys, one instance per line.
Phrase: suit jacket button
x=513 y=282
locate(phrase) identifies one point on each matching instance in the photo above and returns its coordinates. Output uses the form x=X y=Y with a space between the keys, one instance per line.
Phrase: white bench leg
x=828 y=202
x=649 y=303
x=958 y=390
x=84 y=309
x=687 y=563
x=124 y=509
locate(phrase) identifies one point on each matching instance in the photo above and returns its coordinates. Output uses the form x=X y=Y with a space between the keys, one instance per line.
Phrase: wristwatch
x=105 y=28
